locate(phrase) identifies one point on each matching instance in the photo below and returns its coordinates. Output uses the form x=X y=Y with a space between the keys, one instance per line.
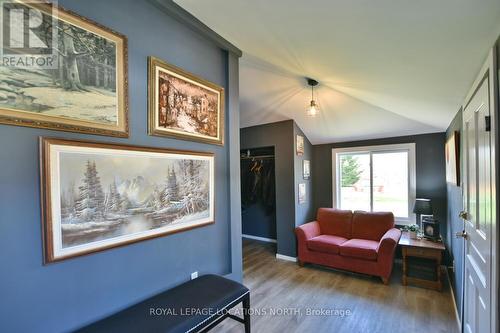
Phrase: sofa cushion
x=325 y=243
x=359 y=248
x=371 y=226
x=335 y=222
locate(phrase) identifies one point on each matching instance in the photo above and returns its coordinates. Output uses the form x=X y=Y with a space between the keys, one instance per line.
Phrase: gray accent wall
x=64 y=296
x=430 y=173
x=288 y=171
x=303 y=212
x=280 y=136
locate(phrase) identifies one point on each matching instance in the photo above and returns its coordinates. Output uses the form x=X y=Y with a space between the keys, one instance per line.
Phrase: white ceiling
x=385 y=67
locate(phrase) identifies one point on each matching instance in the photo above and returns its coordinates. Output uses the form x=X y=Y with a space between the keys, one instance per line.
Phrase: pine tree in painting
x=157 y=199
x=171 y=192
x=98 y=192
x=90 y=203
x=193 y=187
x=125 y=203
x=114 y=199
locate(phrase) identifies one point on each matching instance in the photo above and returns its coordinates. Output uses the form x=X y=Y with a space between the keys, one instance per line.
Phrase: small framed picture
x=306 y=168
x=302 y=193
x=300 y=145
x=452 y=151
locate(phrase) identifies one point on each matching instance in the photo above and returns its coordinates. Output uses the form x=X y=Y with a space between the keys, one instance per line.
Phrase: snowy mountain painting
x=107 y=196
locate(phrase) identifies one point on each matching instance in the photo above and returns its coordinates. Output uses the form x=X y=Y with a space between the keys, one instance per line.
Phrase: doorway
x=258 y=194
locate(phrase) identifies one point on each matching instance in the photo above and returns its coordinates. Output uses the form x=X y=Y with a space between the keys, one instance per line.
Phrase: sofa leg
x=301 y=263
x=385 y=280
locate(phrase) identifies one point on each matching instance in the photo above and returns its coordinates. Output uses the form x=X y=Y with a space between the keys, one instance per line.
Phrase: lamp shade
x=423 y=207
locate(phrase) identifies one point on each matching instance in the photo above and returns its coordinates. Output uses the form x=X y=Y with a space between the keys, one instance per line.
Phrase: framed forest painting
x=97 y=196
x=184 y=106
x=71 y=75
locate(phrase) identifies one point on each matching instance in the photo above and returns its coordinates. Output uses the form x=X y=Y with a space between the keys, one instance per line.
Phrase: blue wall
x=66 y=295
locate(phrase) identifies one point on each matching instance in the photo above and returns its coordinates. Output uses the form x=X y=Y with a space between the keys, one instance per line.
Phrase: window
x=376 y=178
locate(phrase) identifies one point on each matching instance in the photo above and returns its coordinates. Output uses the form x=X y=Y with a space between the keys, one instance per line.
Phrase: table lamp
x=422 y=207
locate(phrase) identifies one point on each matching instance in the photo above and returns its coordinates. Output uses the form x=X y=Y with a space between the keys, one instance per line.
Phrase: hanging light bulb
x=313 y=108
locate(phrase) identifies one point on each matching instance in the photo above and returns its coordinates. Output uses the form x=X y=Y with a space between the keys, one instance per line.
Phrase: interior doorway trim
x=262 y=239
x=287 y=258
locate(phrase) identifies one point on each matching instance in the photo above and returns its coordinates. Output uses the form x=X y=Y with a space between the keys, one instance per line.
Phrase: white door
x=479 y=204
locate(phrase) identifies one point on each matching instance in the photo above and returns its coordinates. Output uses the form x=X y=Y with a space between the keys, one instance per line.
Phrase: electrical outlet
x=194 y=275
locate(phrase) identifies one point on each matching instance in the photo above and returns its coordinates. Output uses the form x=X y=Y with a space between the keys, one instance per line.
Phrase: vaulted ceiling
x=385 y=67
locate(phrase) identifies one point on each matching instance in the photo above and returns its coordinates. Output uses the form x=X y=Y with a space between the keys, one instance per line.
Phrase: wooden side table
x=426 y=249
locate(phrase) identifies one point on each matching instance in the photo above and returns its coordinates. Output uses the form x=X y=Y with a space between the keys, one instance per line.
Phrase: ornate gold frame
x=45 y=192
x=153 y=63
x=30 y=119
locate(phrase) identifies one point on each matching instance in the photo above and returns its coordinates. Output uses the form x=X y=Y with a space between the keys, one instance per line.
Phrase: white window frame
x=408 y=147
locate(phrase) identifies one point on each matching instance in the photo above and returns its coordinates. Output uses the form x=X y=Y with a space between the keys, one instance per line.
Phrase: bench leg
x=246 y=313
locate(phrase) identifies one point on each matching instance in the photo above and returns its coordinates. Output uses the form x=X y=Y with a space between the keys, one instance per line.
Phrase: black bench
x=195 y=306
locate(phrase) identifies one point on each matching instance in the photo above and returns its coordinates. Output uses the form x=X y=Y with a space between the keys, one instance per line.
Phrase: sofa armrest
x=386 y=249
x=388 y=242
x=307 y=231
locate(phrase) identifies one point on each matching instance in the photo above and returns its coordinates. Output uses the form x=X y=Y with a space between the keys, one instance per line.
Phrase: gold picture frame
x=95 y=101
x=182 y=105
x=96 y=196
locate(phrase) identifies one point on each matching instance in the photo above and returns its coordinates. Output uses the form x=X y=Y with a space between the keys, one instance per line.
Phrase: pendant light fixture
x=313 y=108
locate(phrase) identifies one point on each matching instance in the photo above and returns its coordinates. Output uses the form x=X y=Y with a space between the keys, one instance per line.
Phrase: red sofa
x=360 y=242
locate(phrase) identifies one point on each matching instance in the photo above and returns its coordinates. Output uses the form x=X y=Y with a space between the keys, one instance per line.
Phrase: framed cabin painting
x=70 y=75
x=184 y=106
x=97 y=196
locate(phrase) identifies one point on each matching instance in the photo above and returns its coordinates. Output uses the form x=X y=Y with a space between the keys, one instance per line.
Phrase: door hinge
x=487 y=125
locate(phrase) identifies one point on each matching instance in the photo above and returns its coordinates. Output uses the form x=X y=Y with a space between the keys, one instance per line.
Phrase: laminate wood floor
x=284 y=296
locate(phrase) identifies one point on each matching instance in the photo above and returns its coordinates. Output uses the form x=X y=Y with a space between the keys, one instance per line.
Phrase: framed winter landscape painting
x=184 y=106
x=97 y=196
x=70 y=76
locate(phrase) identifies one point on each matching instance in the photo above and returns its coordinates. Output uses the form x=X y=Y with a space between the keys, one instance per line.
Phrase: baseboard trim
x=287 y=258
x=262 y=239
x=457 y=317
